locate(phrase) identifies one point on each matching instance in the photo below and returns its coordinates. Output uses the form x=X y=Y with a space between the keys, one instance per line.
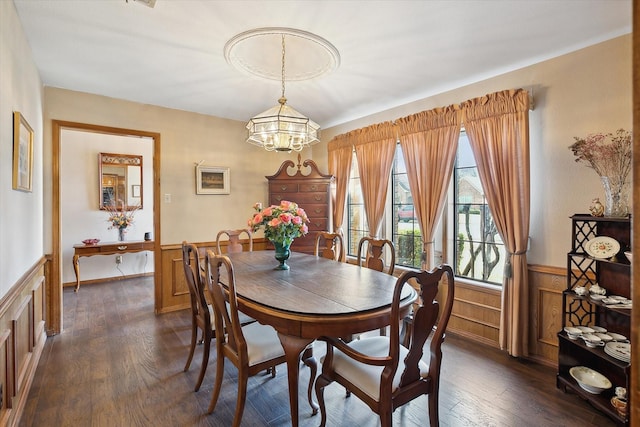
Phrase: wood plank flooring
x=117 y=364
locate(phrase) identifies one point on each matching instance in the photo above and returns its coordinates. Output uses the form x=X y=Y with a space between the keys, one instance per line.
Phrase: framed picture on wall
x=135 y=191
x=22 y=153
x=212 y=180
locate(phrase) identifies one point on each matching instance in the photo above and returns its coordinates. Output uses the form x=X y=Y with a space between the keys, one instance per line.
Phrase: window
x=357 y=226
x=478 y=250
x=406 y=231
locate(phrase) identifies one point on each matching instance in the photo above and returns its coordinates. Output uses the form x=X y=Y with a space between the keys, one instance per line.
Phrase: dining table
x=316 y=297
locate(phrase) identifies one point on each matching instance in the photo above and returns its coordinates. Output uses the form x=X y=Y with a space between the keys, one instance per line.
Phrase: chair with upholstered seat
x=329 y=245
x=380 y=370
x=233 y=244
x=251 y=348
x=201 y=309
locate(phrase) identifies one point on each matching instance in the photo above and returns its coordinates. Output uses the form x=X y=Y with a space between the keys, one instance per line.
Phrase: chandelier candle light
x=610 y=156
x=282 y=223
x=281 y=128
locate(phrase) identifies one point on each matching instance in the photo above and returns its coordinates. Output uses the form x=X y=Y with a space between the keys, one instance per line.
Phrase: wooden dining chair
x=233 y=243
x=380 y=370
x=200 y=309
x=251 y=348
x=330 y=245
x=371 y=254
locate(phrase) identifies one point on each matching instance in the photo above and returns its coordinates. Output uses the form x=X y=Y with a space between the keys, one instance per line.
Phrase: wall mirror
x=120 y=181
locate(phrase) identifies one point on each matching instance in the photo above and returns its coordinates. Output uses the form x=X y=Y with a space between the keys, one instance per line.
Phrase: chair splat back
x=371 y=253
x=333 y=246
x=234 y=245
x=200 y=315
x=226 y=320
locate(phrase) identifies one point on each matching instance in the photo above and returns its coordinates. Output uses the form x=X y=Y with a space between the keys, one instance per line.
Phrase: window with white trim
x=478 y=252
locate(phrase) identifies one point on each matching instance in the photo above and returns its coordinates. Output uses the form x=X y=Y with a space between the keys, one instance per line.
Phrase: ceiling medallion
x=257 y=53
x=281 y=128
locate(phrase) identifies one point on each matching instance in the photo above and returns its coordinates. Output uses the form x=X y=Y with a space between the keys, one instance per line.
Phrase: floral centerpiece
x=282 y=223
x=121 y=219
x=610 y=156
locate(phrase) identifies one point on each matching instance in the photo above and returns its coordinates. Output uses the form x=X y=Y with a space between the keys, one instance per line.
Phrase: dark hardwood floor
x=117 y=364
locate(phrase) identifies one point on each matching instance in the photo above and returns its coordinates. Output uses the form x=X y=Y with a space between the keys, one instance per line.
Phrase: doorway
x=54 y=288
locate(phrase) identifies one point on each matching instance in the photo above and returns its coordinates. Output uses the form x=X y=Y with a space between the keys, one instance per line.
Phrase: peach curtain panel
x=375 y=147
x=498 y=129
x=340 y=153
x=429 y=141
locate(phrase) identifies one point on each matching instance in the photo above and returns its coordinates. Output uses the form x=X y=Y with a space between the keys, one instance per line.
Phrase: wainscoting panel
x=174 y=294
x=476 y=313
x=22 y=337
x=545 y=316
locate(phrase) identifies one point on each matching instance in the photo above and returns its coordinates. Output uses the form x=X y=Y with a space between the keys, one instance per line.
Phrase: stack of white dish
x=572 y=333
x=592 y=340
x=617 y=301
x=618 y=350
x=590 y=380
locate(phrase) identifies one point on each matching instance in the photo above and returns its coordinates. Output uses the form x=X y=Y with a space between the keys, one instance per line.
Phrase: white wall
x=21 y=213
x=583 y=92
x=79 y=196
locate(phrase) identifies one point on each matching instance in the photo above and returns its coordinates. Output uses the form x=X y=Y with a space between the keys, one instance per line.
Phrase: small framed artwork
x=135 y=190
x=22 y=153
x=212 y=180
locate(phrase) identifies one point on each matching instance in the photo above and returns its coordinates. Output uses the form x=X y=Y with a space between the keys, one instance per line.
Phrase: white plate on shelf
x=604 y=337
x=590 y=380
x=618 y=297
x=618 y=350
x=599 y=329
x=585 y=329
x=617 y=337
x=602 y=247
x=597 y=297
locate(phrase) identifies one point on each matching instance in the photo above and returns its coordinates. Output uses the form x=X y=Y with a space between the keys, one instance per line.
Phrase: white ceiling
x=391 y=52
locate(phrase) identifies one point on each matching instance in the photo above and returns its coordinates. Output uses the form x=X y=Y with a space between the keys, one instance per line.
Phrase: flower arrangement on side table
x=282 y=223
x=121 y=219
x=610 y=156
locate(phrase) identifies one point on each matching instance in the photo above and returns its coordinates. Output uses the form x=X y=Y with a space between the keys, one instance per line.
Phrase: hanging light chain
x=283 y=67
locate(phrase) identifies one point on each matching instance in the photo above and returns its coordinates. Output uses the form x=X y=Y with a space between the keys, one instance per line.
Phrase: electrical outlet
x=118 y=259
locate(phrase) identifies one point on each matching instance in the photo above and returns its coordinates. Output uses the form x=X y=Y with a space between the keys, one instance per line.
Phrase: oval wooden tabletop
x=316 y=295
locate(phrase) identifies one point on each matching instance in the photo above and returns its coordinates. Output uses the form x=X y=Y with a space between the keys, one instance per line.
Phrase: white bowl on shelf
x=628 y=255
x=572 y=333
x=592 y=340
x=590 y=380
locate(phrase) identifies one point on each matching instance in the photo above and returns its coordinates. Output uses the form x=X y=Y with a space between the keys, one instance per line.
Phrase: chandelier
x=281 y=128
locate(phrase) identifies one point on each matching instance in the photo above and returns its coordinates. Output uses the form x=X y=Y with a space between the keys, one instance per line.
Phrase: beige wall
x=586 y=91
x=186 y=139
x=21 y=213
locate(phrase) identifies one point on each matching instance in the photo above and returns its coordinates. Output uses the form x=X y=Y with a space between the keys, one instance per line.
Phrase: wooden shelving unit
x=614 y=275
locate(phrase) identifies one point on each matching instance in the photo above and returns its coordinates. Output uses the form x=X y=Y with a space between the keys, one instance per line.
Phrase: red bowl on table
x=90 y=242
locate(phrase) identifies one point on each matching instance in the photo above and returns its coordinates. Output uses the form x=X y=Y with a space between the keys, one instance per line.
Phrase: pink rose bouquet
x=282 y=223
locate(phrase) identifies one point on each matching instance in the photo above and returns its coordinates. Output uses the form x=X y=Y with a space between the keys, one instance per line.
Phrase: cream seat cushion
x=262 y=343
x=244 y=319
x=367 y=377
